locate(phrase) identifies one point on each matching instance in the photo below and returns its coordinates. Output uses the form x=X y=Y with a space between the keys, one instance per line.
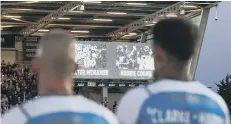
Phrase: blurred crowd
x=18 y=84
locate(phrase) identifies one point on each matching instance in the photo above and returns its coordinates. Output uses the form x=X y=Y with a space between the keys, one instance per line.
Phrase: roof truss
x=50 y=18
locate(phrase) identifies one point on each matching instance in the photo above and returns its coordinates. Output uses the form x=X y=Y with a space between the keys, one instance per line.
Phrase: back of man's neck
x=177 y=71
x=181 y=78
x=54 y=88
x=51 y=92
x=180 y=75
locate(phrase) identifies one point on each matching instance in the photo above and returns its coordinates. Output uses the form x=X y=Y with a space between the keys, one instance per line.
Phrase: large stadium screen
x=101 y=60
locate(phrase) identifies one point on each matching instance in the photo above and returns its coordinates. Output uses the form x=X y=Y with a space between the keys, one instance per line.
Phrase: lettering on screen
x=133 y=61
x=92 y=72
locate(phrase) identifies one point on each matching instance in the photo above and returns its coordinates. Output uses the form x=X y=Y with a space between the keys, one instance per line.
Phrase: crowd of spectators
x=18 y=84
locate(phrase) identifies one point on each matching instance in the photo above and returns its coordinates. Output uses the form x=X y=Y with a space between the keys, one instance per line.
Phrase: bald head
x=56 y=54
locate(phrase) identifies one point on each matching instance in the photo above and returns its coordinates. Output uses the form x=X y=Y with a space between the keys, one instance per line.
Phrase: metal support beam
x=6 y=11
x=143 y=38
x=202 y=28
x=175 y=8
x=190 y=16
x=104 y=93
x=49 y=18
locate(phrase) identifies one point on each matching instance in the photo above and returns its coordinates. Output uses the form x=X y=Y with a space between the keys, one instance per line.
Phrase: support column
x=104 y=93
x=202 y=28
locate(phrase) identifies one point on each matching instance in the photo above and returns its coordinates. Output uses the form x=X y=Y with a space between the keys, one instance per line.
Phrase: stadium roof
x=93 y=19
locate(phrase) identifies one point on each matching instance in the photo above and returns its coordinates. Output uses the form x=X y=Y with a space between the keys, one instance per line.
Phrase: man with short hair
x=173 y=98
x=57 y=103
x=3 y=67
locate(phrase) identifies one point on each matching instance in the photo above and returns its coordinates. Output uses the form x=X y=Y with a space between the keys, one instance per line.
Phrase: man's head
x=174 y=43
x=55 y=60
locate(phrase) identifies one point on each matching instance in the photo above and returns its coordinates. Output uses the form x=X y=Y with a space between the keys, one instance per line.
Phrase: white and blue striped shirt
x=60 y=110
x=172 y=102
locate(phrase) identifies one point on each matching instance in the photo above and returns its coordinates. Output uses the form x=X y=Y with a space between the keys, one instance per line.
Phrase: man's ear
x=157 y=51
x=35 y=65
x=75 y=67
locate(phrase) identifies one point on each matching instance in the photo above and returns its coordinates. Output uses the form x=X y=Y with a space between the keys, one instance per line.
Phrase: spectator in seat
x=15 y=64
x=23 y=96
x=34 y=88
x=3 y=79
x=11 y=86
x=26 y=69
x=8 y=65
x=19 y=101
x=28 y=96
x=105 y=102
x=14 y=98
x=23 y=86
x=4 y=100
x=3 y=67
x=5 y=71
x=10 y=70
x=10 y=99
x=3 y=63
x=114 y=106
x=3 y=88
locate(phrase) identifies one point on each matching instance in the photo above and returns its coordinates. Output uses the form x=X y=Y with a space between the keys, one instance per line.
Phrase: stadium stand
x=18 y=85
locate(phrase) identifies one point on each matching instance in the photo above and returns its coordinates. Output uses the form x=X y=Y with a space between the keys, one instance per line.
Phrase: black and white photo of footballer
x=134 y=57
x=91 y=56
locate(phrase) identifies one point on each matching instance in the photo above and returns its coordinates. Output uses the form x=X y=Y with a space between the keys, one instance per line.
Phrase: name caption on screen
x=136 y=73
x=92 y=72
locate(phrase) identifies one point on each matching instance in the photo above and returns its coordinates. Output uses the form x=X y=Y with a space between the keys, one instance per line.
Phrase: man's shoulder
x=13 y=116
x=136 y=95
x=128 y=107
x=137 y=92
x=170 y=86
x=216 y=98
x=74 y=104
x=96 y=108
x=188 y=87
x=106 y=113
x=95 y=105
x=64 y=102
